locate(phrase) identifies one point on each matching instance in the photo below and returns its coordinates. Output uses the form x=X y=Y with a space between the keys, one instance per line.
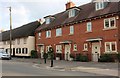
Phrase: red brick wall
x=80 y=35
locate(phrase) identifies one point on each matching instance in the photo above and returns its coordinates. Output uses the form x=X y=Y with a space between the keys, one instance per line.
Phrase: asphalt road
x=13 y=68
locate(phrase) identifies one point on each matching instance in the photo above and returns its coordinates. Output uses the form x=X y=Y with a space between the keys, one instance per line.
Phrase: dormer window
x=71 y=13
x=99 y=5
x=47 y=20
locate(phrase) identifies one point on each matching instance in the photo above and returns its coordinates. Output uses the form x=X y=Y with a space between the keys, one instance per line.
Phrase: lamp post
x=10 y=32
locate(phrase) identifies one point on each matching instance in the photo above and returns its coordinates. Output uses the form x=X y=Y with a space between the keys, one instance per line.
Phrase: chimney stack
x=70 y=4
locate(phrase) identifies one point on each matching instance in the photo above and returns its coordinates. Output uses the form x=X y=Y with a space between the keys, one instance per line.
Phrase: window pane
x=113 y=47
x=107 y=46
x=106 y=23
x=89 y=26
x=58 y=32
x=112 y=22
x=71 y=29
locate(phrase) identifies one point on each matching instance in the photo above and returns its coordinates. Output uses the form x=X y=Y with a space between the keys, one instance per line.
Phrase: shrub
x=106 y=58
x=33 y=54
x=81 y=58
x=72 y=56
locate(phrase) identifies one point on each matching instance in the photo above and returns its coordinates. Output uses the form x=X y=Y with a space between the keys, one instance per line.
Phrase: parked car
x=4 y=55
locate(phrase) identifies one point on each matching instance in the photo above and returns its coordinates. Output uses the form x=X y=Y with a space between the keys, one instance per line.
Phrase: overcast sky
x=26 y=11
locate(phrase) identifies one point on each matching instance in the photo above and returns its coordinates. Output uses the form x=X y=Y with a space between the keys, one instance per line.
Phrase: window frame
x=48 y=34
x=85 y=48
x=59 y=32
x=75 y=46
x=47 y=20
x=39 y=35
x=71 y=13
x=110 y=44
x=71 y=30
x=89 y=27
x=98 y=5
x=109 y=20
x=59 y=47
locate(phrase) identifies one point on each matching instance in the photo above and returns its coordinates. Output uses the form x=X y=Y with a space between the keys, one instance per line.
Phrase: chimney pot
x=70 y=4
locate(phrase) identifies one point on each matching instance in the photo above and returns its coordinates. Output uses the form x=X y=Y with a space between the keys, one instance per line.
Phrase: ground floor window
x=75 y=47
x=18 y=51
x=85 y=47
x=58 y=48
x=110 y=47
x=47 y=48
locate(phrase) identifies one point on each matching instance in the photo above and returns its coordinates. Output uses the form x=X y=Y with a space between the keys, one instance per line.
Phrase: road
x=12 y=68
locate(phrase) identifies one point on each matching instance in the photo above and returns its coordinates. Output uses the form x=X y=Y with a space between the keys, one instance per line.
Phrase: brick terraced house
x=91 y=29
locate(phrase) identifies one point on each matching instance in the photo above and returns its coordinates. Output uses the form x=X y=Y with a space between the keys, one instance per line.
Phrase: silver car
x=4 y=55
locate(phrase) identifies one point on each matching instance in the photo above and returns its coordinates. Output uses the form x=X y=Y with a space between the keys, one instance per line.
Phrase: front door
x=42 y=51
x=95 y=51
x=67 y=52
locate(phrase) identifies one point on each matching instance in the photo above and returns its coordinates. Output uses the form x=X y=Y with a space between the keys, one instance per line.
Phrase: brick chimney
x=41 y=21
x=70 y=4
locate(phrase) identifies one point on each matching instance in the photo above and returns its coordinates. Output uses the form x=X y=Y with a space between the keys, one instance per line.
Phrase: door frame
x=94 y=55
x=67 y=56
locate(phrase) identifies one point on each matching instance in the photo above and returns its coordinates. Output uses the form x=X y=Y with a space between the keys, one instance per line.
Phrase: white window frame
x=71 y=13
x=85 y=48
x=47 y=48
x=58 y=48
x=89 y=27
x=75 y=47
x=109 y=19
x=48 y=34
x=39 y=35
x=47 y=20
x=110 y=43
x=71 y=30
x=59 y=32
x=99 y=5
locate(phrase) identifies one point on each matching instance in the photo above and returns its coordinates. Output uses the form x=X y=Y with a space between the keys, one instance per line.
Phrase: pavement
x=109 y=69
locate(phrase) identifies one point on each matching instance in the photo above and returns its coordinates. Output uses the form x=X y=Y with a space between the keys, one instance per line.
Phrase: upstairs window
x=71 y=13
x=89 y=27
x=99 y=5
x=48 y=34
x=39 y=35
x=25 y=40
x=47 y=20
x=71 y=29
x=59 y=32
x=109 y=23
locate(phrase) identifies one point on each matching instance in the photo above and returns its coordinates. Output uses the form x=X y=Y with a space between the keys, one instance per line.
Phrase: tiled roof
x=86 y=11
x=23 y=31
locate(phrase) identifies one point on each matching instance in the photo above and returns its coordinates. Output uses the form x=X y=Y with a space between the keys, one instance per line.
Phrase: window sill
x=70 y=34
x=85 y=50
x=110 y=28
x=48 y=37
x=110 y=52
x=58 y=36
x=88 y=32
x=74 y=50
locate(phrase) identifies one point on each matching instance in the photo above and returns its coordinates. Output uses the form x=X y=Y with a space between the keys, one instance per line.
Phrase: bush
x=33 y=54
x=81 y=58
x=72 y=56
x=59 y=55
x=106 y=58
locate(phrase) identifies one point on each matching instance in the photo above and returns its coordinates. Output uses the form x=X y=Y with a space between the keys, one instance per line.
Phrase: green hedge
x=33 y=54
x=81 y=58
x=106 y=58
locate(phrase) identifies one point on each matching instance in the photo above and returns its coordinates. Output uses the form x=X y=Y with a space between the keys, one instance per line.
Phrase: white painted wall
x=30 y=44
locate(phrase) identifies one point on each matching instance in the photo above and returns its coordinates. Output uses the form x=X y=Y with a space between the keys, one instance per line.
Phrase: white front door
x=42 y=51
x=67 y=52
x=95 y=51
